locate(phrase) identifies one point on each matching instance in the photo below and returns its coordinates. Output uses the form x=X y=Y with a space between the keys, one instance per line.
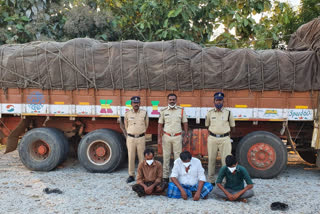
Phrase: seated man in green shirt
x=234 y=189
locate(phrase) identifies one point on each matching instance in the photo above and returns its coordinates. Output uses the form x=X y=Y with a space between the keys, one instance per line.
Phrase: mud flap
x=2 y=135
x=13 y=138
x=318 y=159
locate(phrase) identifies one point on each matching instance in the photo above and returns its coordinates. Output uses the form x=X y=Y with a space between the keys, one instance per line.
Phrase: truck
x=73 y=95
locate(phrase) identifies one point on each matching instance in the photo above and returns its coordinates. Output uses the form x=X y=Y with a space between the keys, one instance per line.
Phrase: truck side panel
x=244 y=104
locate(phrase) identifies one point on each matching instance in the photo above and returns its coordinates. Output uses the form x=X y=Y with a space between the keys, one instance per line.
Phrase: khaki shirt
x=136 y=123
x=152 y=173
x=172 y=119
x=219 y=122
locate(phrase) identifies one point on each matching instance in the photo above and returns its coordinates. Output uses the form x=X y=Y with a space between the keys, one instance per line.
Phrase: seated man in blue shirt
x=188 y=178
x=234 y=189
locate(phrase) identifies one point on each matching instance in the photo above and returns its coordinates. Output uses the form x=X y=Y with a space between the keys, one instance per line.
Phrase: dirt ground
x=22 y=191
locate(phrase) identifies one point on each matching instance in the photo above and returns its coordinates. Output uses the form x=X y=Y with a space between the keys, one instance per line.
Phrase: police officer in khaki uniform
x=170 y=132
x=136 y=122
x=220 y=122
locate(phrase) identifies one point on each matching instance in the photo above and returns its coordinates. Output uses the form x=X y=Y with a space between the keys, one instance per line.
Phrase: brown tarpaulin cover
x=307 y=37
x=169 y=65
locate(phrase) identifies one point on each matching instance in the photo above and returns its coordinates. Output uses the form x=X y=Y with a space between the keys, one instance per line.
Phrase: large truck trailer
x=55 y=94
x=48 y=119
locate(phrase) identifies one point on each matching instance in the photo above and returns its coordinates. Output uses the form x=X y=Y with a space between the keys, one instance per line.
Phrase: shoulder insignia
x=130 y=110
x=165 y=108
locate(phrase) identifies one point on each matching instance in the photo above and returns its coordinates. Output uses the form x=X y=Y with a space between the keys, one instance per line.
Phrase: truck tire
x=64 y=142
x=262 y=153
x=42 y=149
x=101 y=151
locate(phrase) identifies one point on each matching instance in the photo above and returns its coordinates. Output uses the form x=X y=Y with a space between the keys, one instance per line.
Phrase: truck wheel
x=42 y=149
x=64 y=142
x=101 y=151
x=263 y=154
x=308 y=156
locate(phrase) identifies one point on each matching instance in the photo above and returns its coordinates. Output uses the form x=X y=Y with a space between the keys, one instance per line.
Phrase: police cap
x=218 y=96
x=135 y=99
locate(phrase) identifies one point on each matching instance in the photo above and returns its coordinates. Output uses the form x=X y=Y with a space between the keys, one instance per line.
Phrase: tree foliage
x=238 y=16
x=258 y=24
x=86 y=21
x=28 y=20
x=151 y=20
x=194 y=20
x=275 y=31
x=310 y=9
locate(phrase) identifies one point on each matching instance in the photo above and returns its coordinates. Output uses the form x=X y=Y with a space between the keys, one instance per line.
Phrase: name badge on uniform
x=131 y=118
x=167 y=115
x=213 y=118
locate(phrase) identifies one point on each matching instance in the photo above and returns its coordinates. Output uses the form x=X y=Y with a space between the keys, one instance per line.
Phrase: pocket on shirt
x=167 y=119
x=178 y=119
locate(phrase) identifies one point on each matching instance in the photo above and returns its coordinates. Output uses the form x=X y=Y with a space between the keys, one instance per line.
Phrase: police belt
x=219 y=135
x=136 y=135
x=172 y=135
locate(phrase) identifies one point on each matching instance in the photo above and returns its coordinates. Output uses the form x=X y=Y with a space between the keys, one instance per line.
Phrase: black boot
x=130 y=179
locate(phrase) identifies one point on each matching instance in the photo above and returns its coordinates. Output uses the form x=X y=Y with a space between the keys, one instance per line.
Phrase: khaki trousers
x=169 y=142
x=135 y=145
x=214 y=144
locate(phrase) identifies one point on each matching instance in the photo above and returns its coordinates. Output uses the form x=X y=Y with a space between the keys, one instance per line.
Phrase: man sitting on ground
x=234 y=189
x=188 y=178
x=149 y=176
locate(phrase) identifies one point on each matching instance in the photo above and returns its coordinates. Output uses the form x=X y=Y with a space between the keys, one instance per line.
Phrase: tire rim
x=261 y=156
x=99 y=152
x=39 y=150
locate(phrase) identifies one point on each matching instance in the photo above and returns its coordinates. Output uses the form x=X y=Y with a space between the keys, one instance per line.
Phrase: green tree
x=196 y=20
x=310 y=9
x=27 y=20
x=150 y=20
x=153 y=20
x=277 y=22
x=275 y=31
x=85 y=21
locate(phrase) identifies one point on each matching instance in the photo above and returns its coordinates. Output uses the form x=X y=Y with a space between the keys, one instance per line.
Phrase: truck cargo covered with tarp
x=165 y=65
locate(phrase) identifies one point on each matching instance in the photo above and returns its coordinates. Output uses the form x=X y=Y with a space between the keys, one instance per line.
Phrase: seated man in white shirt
x=188 y=179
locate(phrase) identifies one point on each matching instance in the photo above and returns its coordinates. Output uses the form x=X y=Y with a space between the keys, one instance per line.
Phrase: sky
x=294 y=3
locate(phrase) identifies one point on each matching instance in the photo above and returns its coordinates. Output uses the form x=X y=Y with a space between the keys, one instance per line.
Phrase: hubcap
x=42 y=150
x=261 y=156
x=99 y=152
x=39 y=150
